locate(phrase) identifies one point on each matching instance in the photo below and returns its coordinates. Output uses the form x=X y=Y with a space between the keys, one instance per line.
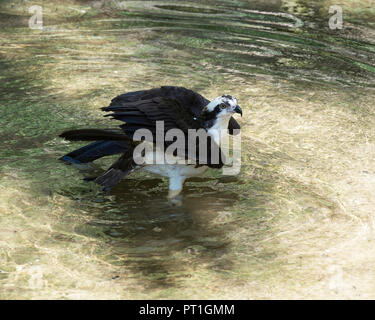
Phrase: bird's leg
x=173 y=193
x=175 y=186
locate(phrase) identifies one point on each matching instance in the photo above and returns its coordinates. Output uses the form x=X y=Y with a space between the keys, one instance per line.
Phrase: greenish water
x=307 y=94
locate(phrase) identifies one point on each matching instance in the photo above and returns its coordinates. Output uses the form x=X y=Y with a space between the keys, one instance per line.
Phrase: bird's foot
x=176 y=201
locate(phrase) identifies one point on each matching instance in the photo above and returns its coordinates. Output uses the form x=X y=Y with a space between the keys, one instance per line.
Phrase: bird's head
x=222 y=107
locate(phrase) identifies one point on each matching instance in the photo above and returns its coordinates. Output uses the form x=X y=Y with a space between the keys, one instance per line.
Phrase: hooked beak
x=237 y=109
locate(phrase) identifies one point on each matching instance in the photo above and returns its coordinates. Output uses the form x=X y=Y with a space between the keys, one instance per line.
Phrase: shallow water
x=283 y=228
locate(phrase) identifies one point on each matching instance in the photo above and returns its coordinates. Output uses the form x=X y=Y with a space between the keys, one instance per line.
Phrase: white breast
x=171 y=170
x=219 y=129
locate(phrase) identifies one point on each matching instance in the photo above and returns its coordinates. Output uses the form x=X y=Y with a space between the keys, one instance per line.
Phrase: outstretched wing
x=176 y=114
x=185 y=97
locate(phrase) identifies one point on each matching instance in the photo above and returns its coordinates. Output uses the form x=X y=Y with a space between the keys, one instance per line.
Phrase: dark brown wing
x=144 y=114
x=192 y=100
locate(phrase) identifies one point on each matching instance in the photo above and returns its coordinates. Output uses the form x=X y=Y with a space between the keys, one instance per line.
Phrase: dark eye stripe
x=217 y=110
x=210 y=115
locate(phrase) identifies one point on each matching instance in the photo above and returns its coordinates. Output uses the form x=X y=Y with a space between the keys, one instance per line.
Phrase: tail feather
x=122 y=167
x=95 y=150
x=111 y=141
x=111 y=177
x=94 y=135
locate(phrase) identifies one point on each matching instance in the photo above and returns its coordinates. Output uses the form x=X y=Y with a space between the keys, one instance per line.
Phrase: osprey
x=177 y=108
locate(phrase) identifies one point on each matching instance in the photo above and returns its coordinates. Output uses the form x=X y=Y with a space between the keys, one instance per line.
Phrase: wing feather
x=178 y=107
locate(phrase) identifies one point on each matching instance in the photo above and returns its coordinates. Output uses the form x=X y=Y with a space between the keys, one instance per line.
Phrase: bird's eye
x=223 y=106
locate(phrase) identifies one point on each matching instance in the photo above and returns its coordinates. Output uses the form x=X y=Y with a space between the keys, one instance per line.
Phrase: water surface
x=296 y=223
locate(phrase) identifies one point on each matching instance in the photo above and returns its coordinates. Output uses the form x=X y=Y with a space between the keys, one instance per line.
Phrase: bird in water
x=146 y=111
